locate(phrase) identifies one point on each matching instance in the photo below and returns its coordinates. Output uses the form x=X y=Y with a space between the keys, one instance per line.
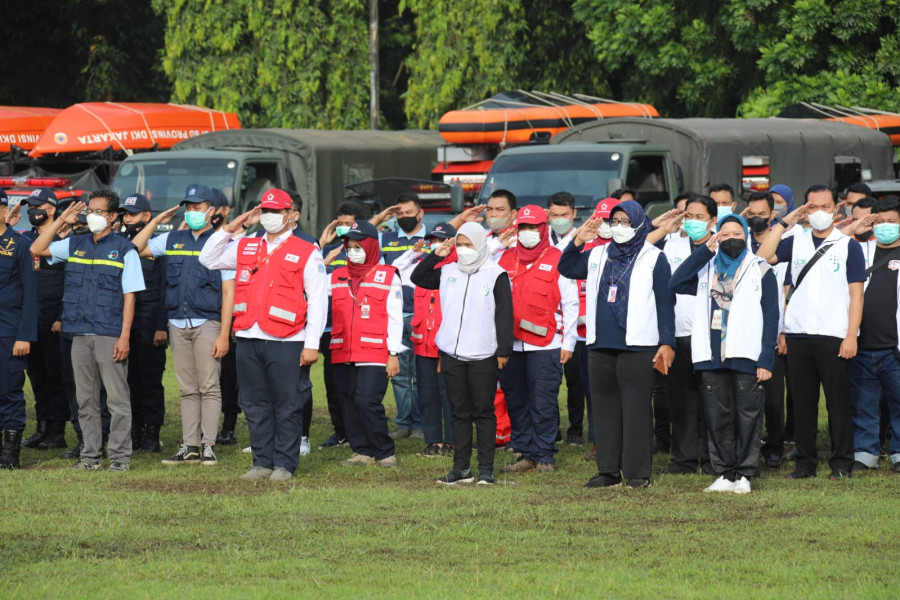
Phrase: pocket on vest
x=372 y=337
x=109 y=290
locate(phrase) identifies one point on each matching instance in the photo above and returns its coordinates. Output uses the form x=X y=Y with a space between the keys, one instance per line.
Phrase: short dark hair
x=867 y=202
x=296 y=201
x=112 y=198
x=409 y=197
x=685 y=196
x=510 y=197
x=859 y=188
x=621 y=192
x=561 y=199
x=820 y=187
x=721 y=187
x=886 y=204
x=351 y=209
x=706 y=201
x=768 y=197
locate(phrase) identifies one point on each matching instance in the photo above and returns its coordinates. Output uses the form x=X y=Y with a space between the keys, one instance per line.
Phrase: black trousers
x=228 y=381
x=621 y=390
x=690 y=443
x=662 y=425
x=146 y=365
x=774 y=411
x=575 y=400
x=734 y=411
x=361 y=391
x=813 y=362
x=471 y=386
x=334 y=403
x=45 y=374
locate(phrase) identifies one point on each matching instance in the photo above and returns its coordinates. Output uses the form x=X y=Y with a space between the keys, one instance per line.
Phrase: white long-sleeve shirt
x=220 y=252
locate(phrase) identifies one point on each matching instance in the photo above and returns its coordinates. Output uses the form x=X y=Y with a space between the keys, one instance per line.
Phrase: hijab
x=373 y=257
x=725 y=265
x=621 y=258
x=478 y=236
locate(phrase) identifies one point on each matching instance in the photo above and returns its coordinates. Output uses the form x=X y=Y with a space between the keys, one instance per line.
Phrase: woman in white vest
x=630 y=329
x=733 y=336
x=475 y=339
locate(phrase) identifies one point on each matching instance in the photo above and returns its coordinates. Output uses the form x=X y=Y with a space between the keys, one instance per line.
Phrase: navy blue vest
x=192 y=290
x=392 y=247
x=93 y=298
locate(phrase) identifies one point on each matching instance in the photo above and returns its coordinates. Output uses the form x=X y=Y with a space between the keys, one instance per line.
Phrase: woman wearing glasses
x=733 y=338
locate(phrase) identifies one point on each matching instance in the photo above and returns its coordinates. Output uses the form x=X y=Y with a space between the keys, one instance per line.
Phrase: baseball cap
x=4 y=199
x=197 y=192
x=604 y=208
x=360 y=230
x=443 y=231
x=41 y=196
x=136 y=203
x=276 y=199
x=221 y=199
x=531 y=214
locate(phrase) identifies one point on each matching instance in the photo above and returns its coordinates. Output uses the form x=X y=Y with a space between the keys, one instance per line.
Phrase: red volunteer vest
x=425 y=322
x=359 y=334
x=268 y=288
x=536 y=296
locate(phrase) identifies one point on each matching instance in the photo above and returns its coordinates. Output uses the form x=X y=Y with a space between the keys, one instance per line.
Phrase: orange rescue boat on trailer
x=22 y=126
x=128 y=126
x=887 y=123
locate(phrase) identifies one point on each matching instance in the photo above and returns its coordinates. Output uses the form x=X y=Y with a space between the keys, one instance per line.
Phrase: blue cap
x=361 y=230
x=221 y=200
x=4 y=199
x=783 y=191
x=443 y=231
x=41 y=196
x=197 y=192
x=136 y=203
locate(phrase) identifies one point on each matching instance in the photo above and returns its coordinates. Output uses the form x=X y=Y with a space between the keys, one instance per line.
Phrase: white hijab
x=477 y=235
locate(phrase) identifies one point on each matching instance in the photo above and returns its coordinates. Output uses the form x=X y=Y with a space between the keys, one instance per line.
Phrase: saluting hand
x=165 y=216
x=793 y=217
x=588 y=230
x=236 y=225
x=328 y=234
x=444 y=249
x=713 y=242
x=471 y=214
x=70 y=215
x=333 y=255
x=13 y=215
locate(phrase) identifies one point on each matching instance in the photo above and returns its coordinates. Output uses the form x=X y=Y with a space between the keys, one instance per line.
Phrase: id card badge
x=244 y=276
x=364 y=311
x=611 y=297
x=716 y=324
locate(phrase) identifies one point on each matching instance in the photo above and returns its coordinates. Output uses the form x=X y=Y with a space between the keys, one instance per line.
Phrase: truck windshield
x=165 y=180
x=534 y=177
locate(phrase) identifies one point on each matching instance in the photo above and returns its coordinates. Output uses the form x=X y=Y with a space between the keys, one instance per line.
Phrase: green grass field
x=194 y=532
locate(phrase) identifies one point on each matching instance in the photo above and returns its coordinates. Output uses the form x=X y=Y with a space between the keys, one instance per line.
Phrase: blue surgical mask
x=695 y=229
x=887 y=233
x=341 y=230
x=722 y=212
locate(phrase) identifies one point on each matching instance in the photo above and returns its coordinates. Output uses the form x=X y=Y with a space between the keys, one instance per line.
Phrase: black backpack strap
x=880 y=263
x=823 y=249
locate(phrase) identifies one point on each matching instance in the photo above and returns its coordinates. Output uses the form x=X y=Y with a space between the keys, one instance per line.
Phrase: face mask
x=604 y=230
x=622 y=234
x=272 y=222
x=341 y=230
x=356 y=255
x=887 y=233
x=195 y=219
x=733 y=247
x=496 y=224
x=723 y=211
x=96 y=223
x=848 y=210
x=216 y=220
x=408 y=224
x=780 y=211
x=757 y=224
x=865 y=236
x=529 y=239
x=80 y=230
x=695 y=229
x=821 y=220
x=133 y=229
x=561 y=226
x=466 y=256
x=37 y=216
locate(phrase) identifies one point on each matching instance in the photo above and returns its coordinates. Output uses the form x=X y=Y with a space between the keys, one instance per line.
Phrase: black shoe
x=674 y=468
x=773 y=461
x=9 y=454
x=226 y=438
x=602 y=480
x=56 y=436
x=858 y=466
x=558 y=436
x=37 y=437
x=838 y=474
x=137 y=437
x=431 y=451
x=335 y=441
x=638 y=483
x=660 y=447
x=574 y=439
x=456 y=476
x=151 y=441
x=800 y=474
x=185 y=454
x=485 y=477
x=792 y=453
x=706 y=469
x=75 y=451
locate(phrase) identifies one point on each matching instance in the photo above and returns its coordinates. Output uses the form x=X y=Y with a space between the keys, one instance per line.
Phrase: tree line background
x=305 y=63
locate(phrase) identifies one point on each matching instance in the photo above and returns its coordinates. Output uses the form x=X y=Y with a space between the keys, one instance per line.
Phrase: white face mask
x=356 y=255
x=529 y=238
x=496 y=224
x=96 y=223
x=821 y=220
x=622 y=234
x=466 y=256
x=604 y=230
x=271 y=222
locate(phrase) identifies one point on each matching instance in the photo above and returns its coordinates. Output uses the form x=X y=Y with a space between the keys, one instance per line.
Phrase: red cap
x=275 y=198
x=604 y=208
x=532 y=214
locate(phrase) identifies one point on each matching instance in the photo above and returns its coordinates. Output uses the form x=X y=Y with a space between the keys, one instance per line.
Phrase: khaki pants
x=197 y=374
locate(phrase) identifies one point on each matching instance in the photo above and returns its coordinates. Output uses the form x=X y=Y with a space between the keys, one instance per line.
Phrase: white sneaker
x=247 y=450
x=742 y=486
x=304 y=446
x=721 y=485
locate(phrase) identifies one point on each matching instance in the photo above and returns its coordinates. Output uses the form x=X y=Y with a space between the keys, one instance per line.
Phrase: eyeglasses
x=717 y=295
x=622 y=222
x=95 y=211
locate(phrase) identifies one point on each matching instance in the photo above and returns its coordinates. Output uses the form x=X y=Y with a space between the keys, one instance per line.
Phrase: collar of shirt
x=419 y=233
x=280 y=239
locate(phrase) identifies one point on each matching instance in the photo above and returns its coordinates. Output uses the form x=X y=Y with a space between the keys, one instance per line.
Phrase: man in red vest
x=280 y=308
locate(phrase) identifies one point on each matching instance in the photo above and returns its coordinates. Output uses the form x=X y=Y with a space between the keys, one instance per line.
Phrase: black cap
x=198 y=192
x=361 y=230
x=221 y=199
x=4 y=199
x=443 y=231
x=136 y=203
x=42 y=196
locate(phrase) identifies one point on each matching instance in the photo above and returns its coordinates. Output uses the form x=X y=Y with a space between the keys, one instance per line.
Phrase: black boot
x=227 y=438
x=39 y=436
x=9 y=455
x=151 y=441
x=56 y=436
x=75 y=452
x=137 y=437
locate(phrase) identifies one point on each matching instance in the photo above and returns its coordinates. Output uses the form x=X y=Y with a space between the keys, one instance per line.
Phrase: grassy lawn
x=191 y=531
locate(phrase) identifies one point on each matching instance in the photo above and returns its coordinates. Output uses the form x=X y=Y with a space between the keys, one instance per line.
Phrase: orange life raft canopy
x=885 y=122
x=520 y=116
x=128 y=126
x=22 y=126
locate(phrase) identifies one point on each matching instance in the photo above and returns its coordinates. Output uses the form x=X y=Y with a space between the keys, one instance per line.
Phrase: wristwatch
x=783 y=224
x=392 y=353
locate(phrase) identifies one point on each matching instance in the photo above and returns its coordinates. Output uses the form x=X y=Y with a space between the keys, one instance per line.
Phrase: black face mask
x=216 y=220
x=757 y=224
x=81 y=230
x=37 y=216
x=408 y=224
x=134 y=229
x=865 y=236
x=733 y=247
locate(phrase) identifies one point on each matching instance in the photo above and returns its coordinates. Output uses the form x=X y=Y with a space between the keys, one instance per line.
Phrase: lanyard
x=350 y=288
x=261 y=261
x=516 y=269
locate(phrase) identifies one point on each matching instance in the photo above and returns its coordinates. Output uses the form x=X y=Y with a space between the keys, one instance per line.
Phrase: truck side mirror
x=457 y=198
x=612 y=185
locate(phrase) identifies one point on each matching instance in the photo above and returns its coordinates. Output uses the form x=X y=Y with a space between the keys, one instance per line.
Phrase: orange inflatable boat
x=22 y=126
x=888 y=124
x=128 y=126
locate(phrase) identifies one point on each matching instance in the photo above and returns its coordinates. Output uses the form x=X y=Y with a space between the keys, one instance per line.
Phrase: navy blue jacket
x=18 y=288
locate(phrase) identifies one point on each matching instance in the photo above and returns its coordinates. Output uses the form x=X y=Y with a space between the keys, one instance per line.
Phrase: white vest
x=821 y=303
x=745 y=319
x=468 y=327
x=641 y=326
x=677 y=250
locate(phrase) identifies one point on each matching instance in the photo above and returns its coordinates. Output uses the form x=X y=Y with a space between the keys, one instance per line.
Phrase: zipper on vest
x=458 y=331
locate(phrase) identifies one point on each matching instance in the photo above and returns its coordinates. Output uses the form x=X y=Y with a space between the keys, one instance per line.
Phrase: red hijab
x=373 y=256
x=532 y=215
